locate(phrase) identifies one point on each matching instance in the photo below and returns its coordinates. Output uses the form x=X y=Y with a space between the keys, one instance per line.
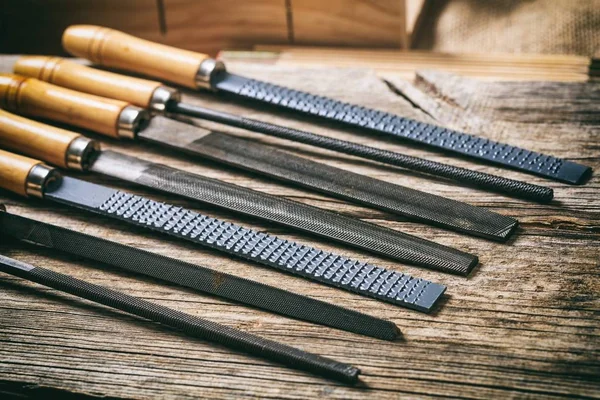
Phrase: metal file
x=189 y=324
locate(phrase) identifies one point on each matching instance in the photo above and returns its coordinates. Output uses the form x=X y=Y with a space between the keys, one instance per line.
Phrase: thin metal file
x=194 y=277
x=189 y=324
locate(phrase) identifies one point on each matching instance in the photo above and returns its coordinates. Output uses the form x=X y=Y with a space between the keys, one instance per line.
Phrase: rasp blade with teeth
x=36 y=98
x=27 y=176
x=188 y=324
x=48 y=143
x=195 y=277
x=193 y=70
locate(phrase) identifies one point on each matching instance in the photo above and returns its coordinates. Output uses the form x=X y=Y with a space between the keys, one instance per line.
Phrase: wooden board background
x=525 y=324
x=32 y=26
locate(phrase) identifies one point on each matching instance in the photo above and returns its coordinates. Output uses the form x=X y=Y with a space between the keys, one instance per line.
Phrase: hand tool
x=158 y=98
x=198 y=71
x=64 y=149
x=192 y=276
x=35 y=98
x=188 y=324
x=29 y=177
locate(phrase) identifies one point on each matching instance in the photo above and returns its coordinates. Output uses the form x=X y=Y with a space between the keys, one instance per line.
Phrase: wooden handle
x=14 y=170
x=35 y=139
x=74 y=76
x=119 y=50
x=35 y=98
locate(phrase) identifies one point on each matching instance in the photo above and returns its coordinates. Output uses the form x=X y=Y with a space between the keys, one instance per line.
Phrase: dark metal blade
x=186 y=323
x=195 y=277
x=297 y=259
x=324 y=223
x=333 y=181
x=470 y=177
x=390 y=124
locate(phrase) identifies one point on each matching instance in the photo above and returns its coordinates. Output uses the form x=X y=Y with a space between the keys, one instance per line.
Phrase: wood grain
x=116 y=49
x=14 y=170
x=525 y=324
x=37 y=140
x=34 y=98
x=62 y=72
x=358 y=23
x=404 y=64
x=210 y=26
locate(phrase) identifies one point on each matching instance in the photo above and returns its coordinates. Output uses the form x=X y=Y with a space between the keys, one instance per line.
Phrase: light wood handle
x=35 y=98
x=119 y=50
x=35 y=139
x=14 y=170
x=78 y=77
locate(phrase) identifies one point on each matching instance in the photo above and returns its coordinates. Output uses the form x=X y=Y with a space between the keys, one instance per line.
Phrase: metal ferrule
x=80 y=151
x=160 y=97
x=40 y=178
x=131 y=120
x=207 y=71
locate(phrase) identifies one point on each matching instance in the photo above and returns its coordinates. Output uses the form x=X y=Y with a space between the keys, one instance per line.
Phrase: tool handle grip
x=14 y=171
x=68 y=74
x=35 y=139
x=119 y=50
x=35 y=98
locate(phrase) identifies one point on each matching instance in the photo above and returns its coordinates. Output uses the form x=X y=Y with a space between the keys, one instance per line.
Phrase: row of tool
x=62 y=92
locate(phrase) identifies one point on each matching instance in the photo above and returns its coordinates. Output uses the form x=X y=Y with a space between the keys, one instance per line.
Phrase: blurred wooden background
x=442 y=26
x=35 y=26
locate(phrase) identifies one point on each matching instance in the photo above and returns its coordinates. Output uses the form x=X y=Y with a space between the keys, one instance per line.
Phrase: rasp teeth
x=371 y=278
x=387 y=282
x=265 y=249
x=350 y=273
x=361 y=275
x=398 y=286
x=279 y=249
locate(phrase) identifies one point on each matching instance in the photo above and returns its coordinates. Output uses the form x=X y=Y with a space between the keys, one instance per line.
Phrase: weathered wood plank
x=357 y=23
x=525 y=324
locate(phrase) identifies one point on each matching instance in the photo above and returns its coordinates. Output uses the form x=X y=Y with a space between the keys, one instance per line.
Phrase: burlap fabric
x=511 y=26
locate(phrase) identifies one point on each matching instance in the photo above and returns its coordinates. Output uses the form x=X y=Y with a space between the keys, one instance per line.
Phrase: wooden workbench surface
x=525 y=324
